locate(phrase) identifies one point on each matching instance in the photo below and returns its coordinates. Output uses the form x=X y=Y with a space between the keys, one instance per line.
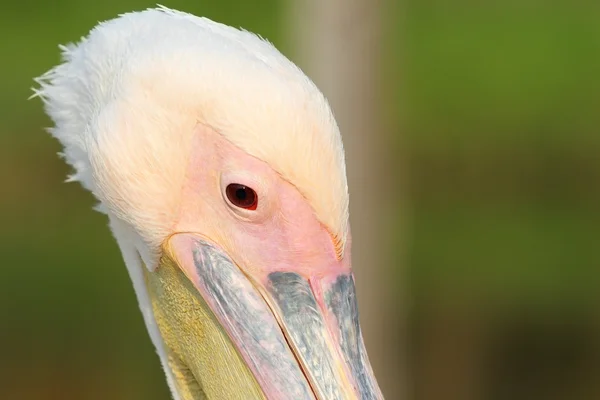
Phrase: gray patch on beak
x=305 y=326
x=341 y=301
x=250 y=324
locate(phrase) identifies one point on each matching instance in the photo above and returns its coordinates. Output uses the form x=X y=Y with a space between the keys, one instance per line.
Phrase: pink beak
x=299 y=336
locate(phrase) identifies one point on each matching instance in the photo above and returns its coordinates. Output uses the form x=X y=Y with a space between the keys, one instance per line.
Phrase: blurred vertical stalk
x=339 y=44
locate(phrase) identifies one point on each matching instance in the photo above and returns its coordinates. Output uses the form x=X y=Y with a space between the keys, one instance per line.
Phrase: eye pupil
x=242 y=196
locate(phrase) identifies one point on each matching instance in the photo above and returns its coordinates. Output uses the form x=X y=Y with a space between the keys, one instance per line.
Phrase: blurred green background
x=498 y=109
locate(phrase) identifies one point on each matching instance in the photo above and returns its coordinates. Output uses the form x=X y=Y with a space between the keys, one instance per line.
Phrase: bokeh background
x=488 y=150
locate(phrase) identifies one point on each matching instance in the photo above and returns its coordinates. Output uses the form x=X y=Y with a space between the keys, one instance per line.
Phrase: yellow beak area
x=204 y=361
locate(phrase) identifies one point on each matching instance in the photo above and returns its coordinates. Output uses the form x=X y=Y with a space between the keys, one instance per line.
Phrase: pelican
x=221 y=170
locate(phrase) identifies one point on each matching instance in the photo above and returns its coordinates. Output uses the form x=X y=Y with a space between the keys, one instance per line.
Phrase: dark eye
x=242 y=196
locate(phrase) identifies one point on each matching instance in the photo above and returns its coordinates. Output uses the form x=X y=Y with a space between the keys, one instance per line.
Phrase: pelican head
x=221 y=169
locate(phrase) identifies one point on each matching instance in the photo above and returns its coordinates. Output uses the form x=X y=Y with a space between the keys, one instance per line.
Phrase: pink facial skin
x=282 y=234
